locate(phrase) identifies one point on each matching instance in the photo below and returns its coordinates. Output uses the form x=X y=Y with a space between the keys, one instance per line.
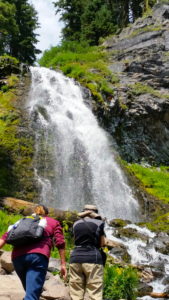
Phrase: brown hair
x=41 y=210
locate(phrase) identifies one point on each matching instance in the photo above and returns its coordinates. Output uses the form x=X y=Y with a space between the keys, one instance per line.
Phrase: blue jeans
x=31 y=269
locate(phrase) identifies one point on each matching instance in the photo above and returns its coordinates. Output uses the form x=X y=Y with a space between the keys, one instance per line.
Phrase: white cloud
x=50 y=26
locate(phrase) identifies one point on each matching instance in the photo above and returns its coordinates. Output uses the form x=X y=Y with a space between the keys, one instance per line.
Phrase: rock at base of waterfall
x=144 y=289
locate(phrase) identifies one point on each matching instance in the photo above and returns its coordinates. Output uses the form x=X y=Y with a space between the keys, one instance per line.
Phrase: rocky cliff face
x=138 y=116
x=16 y=136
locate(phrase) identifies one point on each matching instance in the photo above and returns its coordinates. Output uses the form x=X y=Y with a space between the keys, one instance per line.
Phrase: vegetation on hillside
x=154 y=179
x=86 y=64
x=16 y=150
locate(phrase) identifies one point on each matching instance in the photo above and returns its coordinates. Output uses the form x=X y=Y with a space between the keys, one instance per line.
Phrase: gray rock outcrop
x=138 y=114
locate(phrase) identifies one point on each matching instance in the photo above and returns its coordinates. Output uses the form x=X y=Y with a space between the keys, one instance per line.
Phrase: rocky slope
x=54 y=287
x=138 y=116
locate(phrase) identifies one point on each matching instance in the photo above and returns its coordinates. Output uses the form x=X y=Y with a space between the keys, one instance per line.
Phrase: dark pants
x=31 y=269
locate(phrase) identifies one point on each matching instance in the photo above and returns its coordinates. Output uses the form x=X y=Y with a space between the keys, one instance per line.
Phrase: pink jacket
x=44 y=246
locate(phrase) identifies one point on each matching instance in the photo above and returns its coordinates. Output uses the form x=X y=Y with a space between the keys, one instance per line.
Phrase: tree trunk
x=146 y=6
x=19 y=206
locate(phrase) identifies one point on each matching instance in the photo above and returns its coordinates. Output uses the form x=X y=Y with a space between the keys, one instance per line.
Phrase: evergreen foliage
x=18 y=21
x=96 y=21
x=92 y=19
x=8 y=25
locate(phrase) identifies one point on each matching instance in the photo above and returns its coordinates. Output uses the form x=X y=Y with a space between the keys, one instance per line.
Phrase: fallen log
x=25 y=208
x=159 y=295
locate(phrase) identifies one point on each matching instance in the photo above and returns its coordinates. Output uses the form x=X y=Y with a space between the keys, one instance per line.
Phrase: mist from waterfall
x=74 y=160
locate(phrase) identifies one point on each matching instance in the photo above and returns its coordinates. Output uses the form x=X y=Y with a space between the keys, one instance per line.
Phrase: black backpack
x=25 y=232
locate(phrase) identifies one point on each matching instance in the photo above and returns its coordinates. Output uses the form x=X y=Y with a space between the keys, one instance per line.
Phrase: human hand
x=63 y=271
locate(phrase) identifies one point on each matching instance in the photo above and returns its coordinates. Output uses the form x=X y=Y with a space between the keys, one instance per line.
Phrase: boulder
x=121 y=253
x=144 y=289
x=55 y=289
x=54 y=265
x=131 y=233
x=111 y=244
x=6 y=262
x=147 y=275
x=118 y=223
x=11 y=288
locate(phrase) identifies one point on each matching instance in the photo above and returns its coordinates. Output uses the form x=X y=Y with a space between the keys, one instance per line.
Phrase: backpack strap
x=91 y=234
x=103 y=254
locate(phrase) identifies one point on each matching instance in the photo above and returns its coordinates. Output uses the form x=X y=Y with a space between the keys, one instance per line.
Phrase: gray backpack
x=25 y=232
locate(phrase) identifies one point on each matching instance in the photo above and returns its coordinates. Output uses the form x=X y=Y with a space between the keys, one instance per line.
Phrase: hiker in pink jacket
x=31 y=261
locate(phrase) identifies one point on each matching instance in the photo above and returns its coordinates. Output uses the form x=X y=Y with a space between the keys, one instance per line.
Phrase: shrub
x=6 y=220
x=86 y=64
x=120 y=283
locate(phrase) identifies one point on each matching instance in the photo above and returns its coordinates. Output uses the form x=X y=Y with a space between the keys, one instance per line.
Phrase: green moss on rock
x=16 y=146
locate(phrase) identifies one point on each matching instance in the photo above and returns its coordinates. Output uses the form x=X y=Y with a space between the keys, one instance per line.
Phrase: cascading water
x=74 y=161
x=146 y=253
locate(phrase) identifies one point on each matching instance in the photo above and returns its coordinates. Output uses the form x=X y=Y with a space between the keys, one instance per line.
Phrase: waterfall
x=74 y=160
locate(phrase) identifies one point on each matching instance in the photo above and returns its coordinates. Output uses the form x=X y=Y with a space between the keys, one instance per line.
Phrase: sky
x=50 y=27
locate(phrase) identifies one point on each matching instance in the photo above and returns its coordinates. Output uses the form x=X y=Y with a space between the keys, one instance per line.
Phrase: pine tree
x=8 y=26
x=71 y=12
x=91 y=19
x=21 y=43
x=96 y=21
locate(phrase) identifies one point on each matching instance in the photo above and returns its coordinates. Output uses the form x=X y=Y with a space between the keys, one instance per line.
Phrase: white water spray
x=74 y=161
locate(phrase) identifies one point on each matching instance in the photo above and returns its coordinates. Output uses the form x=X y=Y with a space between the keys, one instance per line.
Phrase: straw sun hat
x=91 y=211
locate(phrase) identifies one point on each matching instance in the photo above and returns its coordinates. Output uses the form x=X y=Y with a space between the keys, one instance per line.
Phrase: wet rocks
x=121 y=253
x=144 y=289
x=130 y=233
x=144 y=250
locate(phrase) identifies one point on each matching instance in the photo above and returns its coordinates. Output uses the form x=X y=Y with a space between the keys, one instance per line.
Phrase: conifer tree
x=21 y=42
x=71 y=12
x=96 y=21
x=8 y=26
x=91 y=19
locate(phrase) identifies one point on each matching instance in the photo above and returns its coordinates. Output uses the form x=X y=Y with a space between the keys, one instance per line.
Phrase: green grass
x=138 y=89
x=86 y=64
x=143 y=30
x=6 y=220
x=155 y=180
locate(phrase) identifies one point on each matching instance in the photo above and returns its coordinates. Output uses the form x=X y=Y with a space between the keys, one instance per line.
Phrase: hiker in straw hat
x=86 y=263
